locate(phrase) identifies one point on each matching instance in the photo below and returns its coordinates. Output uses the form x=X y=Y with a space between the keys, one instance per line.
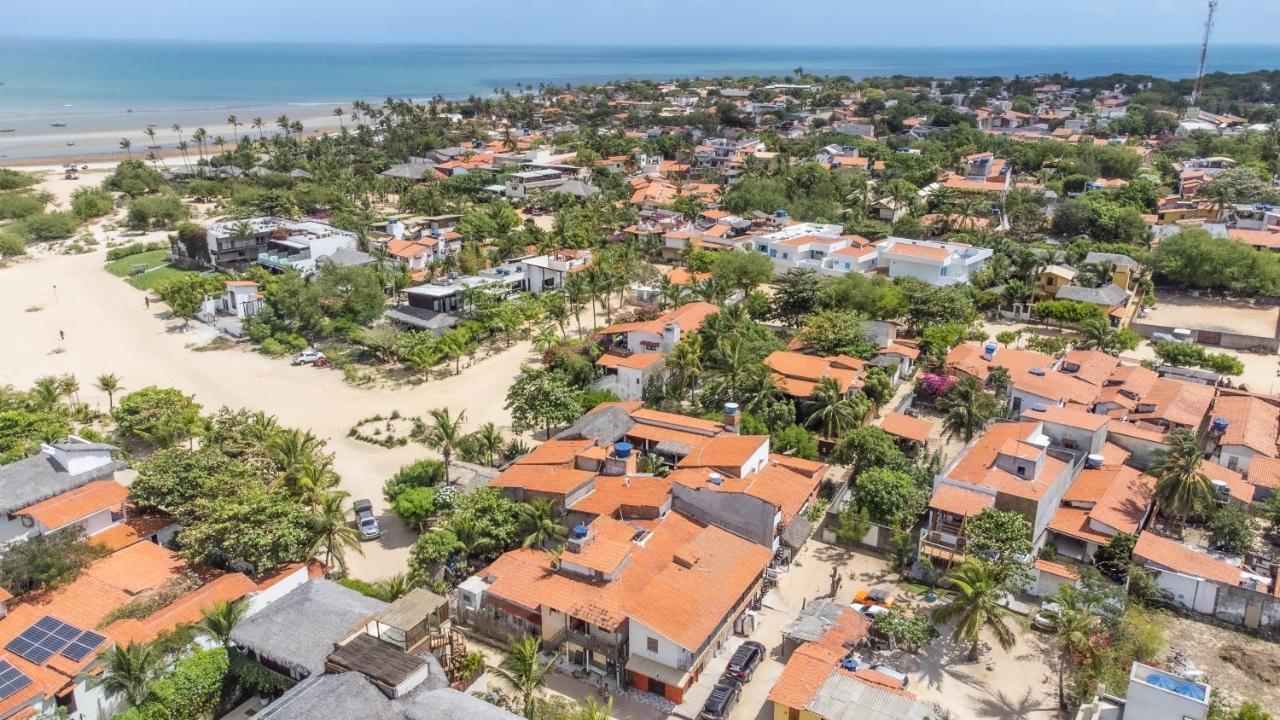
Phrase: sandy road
x=109 y=330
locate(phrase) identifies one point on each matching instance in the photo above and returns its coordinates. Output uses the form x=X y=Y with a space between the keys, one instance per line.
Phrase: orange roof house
x=1166 y=554
x=798 y=374
x=909 y=428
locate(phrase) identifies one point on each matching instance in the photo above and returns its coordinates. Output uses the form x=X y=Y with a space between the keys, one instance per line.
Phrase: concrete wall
x=1229 y=340
x=668 y=653
x=1142 y=452
x=1242 y=456
x=739 y=513
x=1250 y=608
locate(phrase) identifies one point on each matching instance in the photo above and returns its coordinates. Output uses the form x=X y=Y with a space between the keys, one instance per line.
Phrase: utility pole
x=1204 y=51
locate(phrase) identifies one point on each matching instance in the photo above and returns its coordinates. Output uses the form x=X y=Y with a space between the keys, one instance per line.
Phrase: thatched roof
x=40 y=477
x=605 y=425
x=298 y=631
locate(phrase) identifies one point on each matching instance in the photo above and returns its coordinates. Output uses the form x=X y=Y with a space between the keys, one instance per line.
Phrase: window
x=763 y=247
x=1232 y=462
x=846 y=266
x=784 y=256
x=793 y=714
x=773 y=253
x=944 y=271
x=1022 y=471
x=651 y=644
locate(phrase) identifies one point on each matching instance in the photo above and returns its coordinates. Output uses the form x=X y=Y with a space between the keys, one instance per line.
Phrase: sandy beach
x=109 y=329
x=96 y=137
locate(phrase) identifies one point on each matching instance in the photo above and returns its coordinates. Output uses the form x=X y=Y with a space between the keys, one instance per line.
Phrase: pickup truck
x=365 y=520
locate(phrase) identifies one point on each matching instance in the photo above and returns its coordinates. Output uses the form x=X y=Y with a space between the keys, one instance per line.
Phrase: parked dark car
x=744 y=661
x=722 y=699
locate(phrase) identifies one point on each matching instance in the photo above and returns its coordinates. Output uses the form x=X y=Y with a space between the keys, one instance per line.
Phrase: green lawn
x=157 y=271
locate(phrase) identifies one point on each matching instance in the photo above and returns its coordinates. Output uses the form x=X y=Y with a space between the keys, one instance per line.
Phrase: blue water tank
x=990 y=348
x=579 y=531
x=622 y=450
x=849 y=664
x=1220 y=425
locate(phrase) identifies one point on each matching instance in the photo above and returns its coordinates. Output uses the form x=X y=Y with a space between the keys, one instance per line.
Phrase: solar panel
x=11 y=680
x=43 y=640
x=80 y=648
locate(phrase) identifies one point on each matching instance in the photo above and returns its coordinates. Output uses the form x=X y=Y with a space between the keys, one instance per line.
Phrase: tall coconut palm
x=332 y=532
x=539 y=524
x=127 y=145
x=259 y=124
x=546 y=339
x=590 y=709
x=315 y=481
x=46 y=391
x=1096 y=333
x=829 y=410
x=1077 y=627
x=524 y=672
x=338 y=113
x=489 y=441
x=293 y=449
x=129 y=672
x=1181 y=486
x=686 y=363
x=218 y=620
x=109 y=383
x=976 y=606
x=443 y=434
x=234 y=122
x=69 y=387
x=576 y=292
x=727 y=371
x=968 y=408
x=151 y=135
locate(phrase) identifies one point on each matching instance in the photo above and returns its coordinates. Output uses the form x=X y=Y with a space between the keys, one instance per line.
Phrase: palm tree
x=333 y=532
x=314 y=481
x=976 y=606
x=968 y=408
x=443 y=435
x=258 y=124
x=576 y=292
x=292 y=449
x=69 y=387
x=338 y=113
x=393 y=588
x=218 y=620
x=538 y=523
x=127 y=146
x=1077 y=626
x=590 y=709
x=524 y=672
x=686 y=363
x=129 y=672
x=1095 y=333
x=234 y=122
x=109 y=384
x=151 y=135
x=471 y=539
x=727 y=371
x=489 y=441
x=47 y=392
x=1181 y=486
x=546 y=339
x=830 y=410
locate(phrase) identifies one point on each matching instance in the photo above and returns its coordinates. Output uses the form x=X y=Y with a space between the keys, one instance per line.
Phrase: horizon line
x=632 y=45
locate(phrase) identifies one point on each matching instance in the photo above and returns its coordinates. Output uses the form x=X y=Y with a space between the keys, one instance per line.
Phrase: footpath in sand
x=109 y=330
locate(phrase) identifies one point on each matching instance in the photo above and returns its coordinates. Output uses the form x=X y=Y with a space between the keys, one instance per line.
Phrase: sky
x=652 y=22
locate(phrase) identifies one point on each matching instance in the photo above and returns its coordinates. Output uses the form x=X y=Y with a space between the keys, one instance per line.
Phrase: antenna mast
x=1204 y=51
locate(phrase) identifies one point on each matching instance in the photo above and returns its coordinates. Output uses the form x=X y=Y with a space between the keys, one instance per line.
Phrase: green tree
x=218 y=620
x=540 y=526
x=741 y=271
x=829 y=410
x=1077 y=627
x=1182 y=487
x=1233 y=530
x=443 y=434
x=160 y=417
x=47 y=561
x=836 y=332
x=890 y=496
x=967 y=408
x=129 y=672
x=109 y=383
x=868 y=447
x=186 y=294
x=797 y=441
x=524 y=672
x=797 y=292
x=975 y=607
x=541 y=399
x=334 y=532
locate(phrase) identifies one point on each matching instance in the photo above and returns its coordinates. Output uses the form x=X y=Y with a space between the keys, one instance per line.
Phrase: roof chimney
x=732 y=418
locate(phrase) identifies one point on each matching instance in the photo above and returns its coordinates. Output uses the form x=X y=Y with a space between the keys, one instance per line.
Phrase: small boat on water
x=70 y=144
x=2 y=130
x=57 y=124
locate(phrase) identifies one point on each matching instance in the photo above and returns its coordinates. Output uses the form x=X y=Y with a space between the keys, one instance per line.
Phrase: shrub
x=423 y=473
x=47 y=561
x=14 y=180
x=155 y=210
x=88 y=203
x=15 y=206
x=51 y=226
x=192 y=690
x=137 y=248
x=12 y=244
x=272 y=348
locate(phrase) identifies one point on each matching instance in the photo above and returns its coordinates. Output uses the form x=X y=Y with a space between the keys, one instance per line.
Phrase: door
x=1253 y=615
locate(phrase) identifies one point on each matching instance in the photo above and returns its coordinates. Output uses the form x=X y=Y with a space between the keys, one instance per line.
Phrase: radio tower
x=1204 y=51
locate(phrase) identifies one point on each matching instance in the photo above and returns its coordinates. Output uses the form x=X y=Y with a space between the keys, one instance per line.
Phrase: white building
x=36 y=492
x=548 y=272
x=1153 y=694
x=825 y=250
x=937 y=263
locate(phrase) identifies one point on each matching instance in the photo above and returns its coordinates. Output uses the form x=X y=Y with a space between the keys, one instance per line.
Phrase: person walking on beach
x=62 y=335
x=147 y=300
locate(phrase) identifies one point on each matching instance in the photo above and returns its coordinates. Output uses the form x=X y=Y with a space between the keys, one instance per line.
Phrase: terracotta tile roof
x=104 y=586
x=1241 y=491
x=555 y=452
x=960 y=501
x=1264 y=472
x=812 y=468
x=682 y=276
x=805 y=672
x=1094 y=367
x=1113 y=454
x=897 y=348
x=78 y=504
x=606 y=549
x=1254 y=422
x=525 y=578
x=621 y=497
x=688 y=316
x=780 y=486
x=1136 y=431
x=1056 y=569
x=1268 y=239
x=687 y=604
x=1074 y=522
x=1177 y=557
x=907 y=427
x=680 y=422
x=977 y=466
x=633 y=361
x=135 y=529
x=797 y=374
x=856 y=251
x=967 y=358
x=1056 y=386
x=919 y=251
x=656 y=434
x=1177 y=402
x=724 y=451
x=548 y=479
x=1068 y=416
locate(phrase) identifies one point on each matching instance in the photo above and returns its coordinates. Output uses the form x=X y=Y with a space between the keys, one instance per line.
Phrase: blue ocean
x=70 y=77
